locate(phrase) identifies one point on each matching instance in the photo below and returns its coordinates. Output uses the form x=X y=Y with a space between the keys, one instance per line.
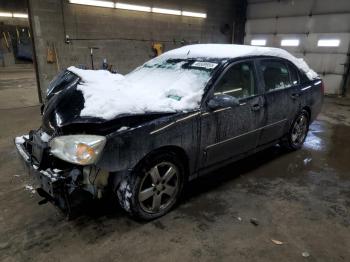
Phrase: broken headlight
x=78 y=149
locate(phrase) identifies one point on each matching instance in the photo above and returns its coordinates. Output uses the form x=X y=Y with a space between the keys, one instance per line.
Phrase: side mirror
x=221 y=101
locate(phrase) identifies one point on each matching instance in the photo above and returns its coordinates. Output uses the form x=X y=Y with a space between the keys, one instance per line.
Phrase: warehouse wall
x=307 y=20
x=13 y=21
x=123 y=37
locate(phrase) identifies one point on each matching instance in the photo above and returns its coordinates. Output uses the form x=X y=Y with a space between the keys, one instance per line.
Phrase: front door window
x=238 y=81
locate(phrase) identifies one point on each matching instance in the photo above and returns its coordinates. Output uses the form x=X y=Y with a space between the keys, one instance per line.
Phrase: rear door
x=282 y=95
x=227 y=132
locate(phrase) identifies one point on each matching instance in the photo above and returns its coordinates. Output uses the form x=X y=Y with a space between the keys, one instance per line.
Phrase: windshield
x=160 y=85
x=175 y=78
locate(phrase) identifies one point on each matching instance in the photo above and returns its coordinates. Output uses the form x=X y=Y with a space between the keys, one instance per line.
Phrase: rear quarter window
x=294 y=77
x=303 y=77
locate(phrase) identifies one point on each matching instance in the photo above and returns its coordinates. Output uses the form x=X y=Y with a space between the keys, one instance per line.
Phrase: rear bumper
x=52 y=184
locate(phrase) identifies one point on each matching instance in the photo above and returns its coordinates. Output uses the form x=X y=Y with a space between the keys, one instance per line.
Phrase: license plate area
x=52 y=185
x=39 y=149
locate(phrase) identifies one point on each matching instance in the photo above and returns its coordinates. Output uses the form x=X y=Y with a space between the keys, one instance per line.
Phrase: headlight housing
x=78 y=149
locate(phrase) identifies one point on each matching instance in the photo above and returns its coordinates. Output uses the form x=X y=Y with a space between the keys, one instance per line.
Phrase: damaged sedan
x=183 y=114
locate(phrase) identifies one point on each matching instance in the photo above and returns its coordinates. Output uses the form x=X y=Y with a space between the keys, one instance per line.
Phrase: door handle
x=294 y=95
x=256 y=107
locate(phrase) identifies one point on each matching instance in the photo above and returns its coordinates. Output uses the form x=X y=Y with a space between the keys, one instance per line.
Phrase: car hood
x=62 y=111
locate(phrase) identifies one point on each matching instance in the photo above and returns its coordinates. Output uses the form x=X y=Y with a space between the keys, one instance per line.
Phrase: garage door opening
x=18 y=84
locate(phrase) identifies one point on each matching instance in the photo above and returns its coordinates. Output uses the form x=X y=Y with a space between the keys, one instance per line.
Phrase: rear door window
x=238 y=81
x=275 y=74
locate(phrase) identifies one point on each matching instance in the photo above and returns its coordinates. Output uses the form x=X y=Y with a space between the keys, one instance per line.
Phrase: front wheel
x=298 y=131
x=153 y=188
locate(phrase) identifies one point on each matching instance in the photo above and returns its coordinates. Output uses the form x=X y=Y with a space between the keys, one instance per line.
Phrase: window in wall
x=238 y=81
x=290 y=42
x=276 y=75
x=328 y=42
x=258 y=42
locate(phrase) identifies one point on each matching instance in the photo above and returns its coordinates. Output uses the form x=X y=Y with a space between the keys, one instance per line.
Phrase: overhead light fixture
x=5 y=14
x=328 y=42
x=194 y=14
x=18 y=15
x=141 y=8
x=166 y=11
x=133 y=7
x=93 y=3
x=290 y=42
x=258 y=42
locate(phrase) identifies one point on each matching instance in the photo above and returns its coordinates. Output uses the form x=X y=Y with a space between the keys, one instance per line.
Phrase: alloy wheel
x=159 y=187
x=299 y=130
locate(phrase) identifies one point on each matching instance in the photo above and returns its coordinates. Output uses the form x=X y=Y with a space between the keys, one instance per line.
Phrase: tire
x=298 y=132
x=154 y=187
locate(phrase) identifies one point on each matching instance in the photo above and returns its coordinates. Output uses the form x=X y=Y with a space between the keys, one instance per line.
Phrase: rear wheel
x=298 y=131
x=153 y=188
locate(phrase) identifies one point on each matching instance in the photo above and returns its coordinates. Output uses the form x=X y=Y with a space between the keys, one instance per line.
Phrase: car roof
x=231 y=51
x=222 y=51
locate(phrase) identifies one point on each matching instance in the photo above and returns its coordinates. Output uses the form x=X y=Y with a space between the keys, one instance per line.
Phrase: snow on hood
x=146 y=89
x=154 y=87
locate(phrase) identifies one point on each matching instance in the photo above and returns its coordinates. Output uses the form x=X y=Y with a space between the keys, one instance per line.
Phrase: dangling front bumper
x=54 y=185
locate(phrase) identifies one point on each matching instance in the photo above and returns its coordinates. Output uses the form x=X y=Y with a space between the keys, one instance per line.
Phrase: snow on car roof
x=236 y=51
x=153 y=87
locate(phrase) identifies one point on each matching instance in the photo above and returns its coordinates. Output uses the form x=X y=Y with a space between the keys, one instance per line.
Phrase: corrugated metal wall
x=309 y=21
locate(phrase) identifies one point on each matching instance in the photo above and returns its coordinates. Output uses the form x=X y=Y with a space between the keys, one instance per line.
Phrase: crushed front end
x=63 y=183
x=69 y=156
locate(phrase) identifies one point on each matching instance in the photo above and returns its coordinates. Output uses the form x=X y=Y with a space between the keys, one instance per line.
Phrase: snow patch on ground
x=30 y=188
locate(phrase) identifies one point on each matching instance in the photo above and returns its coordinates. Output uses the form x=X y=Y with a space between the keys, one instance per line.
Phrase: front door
x=229 y=131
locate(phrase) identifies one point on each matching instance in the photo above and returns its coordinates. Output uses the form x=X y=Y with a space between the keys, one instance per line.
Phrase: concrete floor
x=301 y=199
x=18 y=86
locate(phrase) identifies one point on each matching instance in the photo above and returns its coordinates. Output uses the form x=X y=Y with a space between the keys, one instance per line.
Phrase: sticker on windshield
x=206 y=65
